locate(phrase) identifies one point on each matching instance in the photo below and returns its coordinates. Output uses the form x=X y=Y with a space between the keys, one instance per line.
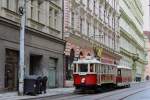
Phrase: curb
x=38 y=97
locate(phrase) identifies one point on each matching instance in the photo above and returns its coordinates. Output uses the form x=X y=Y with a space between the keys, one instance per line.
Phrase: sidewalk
x=50 y=92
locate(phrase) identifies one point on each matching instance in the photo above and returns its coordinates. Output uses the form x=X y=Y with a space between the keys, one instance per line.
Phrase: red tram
x=91 y=74
x=123 y=76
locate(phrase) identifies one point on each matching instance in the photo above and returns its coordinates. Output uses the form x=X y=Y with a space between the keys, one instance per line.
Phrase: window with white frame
x=108 y=17
x=100 y=36
x=56 y=15
x=99 y=11
x=32 y=9
x=112 y=41
x=94 y=6
x=104 y=38
x=112 y=24
x=81 y=24
x=88 y=3
x=8 y=4
x=50 y=16
x=39 y=10
x=105 y=15
x=12 y=5
x=94 y=30
x=88 y=28
x=102 y=13
x=16 y=5
x=72 y=19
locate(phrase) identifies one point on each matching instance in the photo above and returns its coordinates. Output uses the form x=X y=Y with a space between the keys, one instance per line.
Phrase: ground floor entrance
x=52 y=73
x=11 y=69
x=44 y=56
x=35 y=63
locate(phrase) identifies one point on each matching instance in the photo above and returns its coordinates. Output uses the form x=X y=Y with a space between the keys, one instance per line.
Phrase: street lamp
x=22 y=12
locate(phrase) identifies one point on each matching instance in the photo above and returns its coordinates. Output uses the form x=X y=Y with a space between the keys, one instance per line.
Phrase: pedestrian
x=44 y=83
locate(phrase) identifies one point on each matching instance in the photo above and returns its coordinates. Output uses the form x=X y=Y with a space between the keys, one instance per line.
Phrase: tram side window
x=112 y=70
x=74 y=67
x=96 y=68
x=83 y=67
x=102 y=69
x=91 y=67
x=119 y=72
x=108 y=69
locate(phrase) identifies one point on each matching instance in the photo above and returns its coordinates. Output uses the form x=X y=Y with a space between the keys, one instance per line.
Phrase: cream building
x=147 y=67
x=91 y=27
x=44 y=44
x=132 y=41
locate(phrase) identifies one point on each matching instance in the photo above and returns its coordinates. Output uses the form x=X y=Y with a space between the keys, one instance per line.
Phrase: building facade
x=147 y=67
x=44 y=45
x=132 y=41
x=91 y=27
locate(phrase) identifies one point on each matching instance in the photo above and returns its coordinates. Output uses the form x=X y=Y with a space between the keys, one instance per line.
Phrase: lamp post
x=22 y=12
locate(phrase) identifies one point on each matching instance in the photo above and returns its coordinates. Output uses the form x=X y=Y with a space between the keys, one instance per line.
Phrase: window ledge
x=36 y=22
x=10 y=11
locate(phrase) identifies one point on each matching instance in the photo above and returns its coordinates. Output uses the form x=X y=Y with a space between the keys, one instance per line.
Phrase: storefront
x=74 y=52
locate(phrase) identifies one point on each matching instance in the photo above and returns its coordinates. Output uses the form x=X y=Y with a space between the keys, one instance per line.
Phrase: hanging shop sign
x=98 y=51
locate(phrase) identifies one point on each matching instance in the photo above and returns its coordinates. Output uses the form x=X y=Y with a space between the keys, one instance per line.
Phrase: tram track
x=116 y=94
x=133 y=94
x=99 y=96
x=120 y=91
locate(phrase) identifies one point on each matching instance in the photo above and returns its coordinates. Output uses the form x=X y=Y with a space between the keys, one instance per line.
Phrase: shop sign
x=98 y=51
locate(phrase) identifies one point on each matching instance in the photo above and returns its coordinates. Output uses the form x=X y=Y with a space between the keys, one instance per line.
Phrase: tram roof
x=85 y=61
x=123 y=67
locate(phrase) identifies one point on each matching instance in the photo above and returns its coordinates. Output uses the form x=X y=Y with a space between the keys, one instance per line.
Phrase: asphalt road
x=138 y=91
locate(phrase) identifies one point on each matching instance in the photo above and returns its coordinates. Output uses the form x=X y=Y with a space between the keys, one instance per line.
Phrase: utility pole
x=22 y=11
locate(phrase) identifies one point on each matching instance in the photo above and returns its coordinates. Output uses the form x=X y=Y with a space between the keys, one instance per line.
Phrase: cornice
x=130 y=38
x=16 y=25
x=130 y=22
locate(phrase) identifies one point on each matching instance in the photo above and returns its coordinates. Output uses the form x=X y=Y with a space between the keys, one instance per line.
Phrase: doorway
x=69 y=61
x=11 y=69
x=35 y=64
x=52 y=73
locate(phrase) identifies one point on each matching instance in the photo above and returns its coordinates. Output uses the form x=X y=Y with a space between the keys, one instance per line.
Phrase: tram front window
x=83 y=67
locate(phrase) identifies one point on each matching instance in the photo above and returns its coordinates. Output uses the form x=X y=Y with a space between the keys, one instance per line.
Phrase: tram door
x=52 y=73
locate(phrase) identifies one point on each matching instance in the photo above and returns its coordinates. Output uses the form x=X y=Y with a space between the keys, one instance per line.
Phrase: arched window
x=72 y=54
x=88 y=54
x=81 y=54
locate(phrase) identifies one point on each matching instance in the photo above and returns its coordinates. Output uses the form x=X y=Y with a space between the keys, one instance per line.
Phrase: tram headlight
x=83 y=80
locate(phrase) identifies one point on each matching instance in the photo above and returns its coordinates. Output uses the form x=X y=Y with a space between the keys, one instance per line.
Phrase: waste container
x=32 y=85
